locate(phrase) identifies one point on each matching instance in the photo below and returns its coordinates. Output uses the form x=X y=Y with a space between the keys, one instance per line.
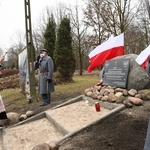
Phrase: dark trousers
x=46 y=98
x=147 y=141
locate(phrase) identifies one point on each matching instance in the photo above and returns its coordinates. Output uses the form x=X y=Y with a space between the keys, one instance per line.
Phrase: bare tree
x=114 y=17
x=117 y=15
x=79 y=34
x=60 y=12
x=17 y=46
x=108 y=17
x=144 y=21
x=135 y=42
x=137 y=35
x=94 y=20
x=38 y=31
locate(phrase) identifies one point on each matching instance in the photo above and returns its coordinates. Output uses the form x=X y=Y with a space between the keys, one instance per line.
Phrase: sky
x=12 y=17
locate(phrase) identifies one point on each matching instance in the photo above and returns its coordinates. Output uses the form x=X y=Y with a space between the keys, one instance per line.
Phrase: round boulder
x=43 y=146
x=137 y=77
x=13 y=117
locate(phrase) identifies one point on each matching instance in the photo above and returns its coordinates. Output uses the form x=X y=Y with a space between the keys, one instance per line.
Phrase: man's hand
x=38 y=57
x=2 y=58
x=36 y=65
x=49 y=80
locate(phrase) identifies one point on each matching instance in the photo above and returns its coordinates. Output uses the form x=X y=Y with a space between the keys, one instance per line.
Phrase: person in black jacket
x=2 y=107
x=148 y=66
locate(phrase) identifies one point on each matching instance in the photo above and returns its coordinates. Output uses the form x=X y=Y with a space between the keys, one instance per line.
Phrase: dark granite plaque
x=115 y=72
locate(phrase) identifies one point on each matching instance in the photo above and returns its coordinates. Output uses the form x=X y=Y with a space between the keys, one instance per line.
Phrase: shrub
x=9 y=72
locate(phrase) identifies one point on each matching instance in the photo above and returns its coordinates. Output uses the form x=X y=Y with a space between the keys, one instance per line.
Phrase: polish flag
x=111 y=48
x=142 y=58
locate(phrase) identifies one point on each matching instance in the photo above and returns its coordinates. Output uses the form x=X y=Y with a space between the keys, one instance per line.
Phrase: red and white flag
x=111 y=48
x=143 y=57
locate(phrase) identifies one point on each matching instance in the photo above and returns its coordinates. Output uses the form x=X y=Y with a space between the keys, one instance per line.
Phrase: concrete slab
x=76 y=116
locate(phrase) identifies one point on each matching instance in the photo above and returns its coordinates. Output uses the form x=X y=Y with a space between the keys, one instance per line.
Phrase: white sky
x=12 y=17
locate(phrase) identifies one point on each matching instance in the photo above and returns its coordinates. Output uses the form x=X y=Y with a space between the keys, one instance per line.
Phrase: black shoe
x=44 y=104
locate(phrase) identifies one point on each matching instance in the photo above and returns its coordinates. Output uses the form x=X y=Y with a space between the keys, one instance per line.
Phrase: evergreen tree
x=50 y=36
x=64 y=56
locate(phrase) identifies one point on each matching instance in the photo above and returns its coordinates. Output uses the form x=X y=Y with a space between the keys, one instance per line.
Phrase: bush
x=9 y=72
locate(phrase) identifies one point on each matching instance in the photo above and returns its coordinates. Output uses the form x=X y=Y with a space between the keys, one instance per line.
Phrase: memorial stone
x=115 y=73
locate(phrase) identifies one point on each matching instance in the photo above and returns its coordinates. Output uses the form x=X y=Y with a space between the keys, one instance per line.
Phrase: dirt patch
x=125 y=130
x=71 y=118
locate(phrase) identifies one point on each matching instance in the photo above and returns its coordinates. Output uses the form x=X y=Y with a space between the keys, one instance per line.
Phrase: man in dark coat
x=45 y=83
x=2 y=107
x=148 y=66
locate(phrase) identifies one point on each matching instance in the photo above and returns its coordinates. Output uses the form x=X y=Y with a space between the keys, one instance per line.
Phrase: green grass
x=80 y=83
x=13 y=99
x=16 y=101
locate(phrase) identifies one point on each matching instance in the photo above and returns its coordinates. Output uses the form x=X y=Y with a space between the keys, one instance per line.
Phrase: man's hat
x=41 y=50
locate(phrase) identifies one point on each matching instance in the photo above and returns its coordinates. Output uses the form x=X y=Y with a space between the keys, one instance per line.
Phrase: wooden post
x=30 y=49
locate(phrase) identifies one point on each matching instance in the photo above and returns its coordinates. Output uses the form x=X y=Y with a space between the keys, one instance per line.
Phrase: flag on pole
x=111 y=48
x=142 y=58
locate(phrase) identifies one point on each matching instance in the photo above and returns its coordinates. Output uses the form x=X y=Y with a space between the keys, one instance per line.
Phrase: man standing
x=1 y=59
x=2 y=107
x=45 y=83
x=148 y=66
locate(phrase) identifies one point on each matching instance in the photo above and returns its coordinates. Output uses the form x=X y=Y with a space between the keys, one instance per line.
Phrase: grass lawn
x=16 y=102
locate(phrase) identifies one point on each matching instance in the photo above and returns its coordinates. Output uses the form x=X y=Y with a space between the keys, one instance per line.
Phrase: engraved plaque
x=116 y=72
